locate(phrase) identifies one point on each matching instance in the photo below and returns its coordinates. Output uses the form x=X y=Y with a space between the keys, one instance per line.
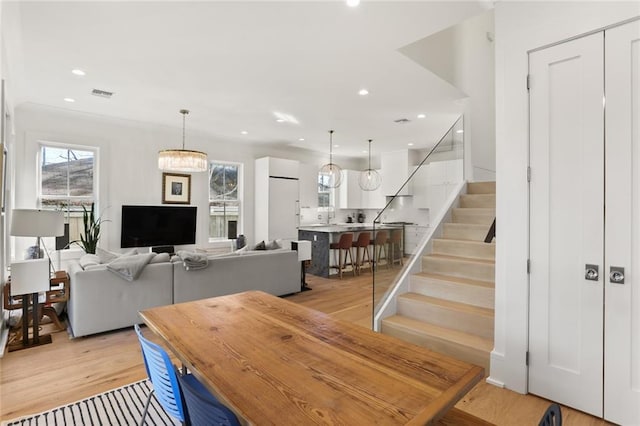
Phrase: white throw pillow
x=106 y=256
x=161 y=258
x=89 y=259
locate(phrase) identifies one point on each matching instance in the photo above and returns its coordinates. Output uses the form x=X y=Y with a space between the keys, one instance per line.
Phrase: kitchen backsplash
x=400 y=210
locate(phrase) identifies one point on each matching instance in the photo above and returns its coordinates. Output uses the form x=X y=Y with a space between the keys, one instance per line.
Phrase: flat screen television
x=148 y=226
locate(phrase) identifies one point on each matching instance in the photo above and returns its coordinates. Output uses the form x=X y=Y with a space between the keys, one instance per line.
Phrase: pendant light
x=182 y=160
x=333 y=172
x=369 y=179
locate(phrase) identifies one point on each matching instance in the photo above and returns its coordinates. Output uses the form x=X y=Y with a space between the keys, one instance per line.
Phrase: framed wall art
x=176 y=188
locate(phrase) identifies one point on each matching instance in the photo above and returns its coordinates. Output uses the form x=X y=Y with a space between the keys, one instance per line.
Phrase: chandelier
x=331 y=173
x=182 y=160
x=369 y=179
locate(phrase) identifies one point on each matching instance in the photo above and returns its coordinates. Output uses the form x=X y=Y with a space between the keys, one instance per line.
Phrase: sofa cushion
x=106 y=256
x=160 y=257
x=88 y=260
x=273 y=245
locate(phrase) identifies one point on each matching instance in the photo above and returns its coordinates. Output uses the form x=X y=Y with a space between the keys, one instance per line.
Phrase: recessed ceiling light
x=460 y=131
x=363 y=92
x=301 y=139
x=280 y=120
x=78 y=72
x=336 y=146
x=353 y=3
x=244 y=132
x=421 y=116
x=364 y=151
x=410 y=144
x=69 y=100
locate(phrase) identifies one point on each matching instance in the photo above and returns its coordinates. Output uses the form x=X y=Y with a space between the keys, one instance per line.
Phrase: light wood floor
x=67 y=370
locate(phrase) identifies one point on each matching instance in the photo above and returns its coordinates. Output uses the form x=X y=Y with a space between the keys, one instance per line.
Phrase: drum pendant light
x=182 y=160
x=369 y=179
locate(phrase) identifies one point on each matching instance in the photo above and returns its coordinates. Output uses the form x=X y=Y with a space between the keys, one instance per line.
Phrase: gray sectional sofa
x=101 y=301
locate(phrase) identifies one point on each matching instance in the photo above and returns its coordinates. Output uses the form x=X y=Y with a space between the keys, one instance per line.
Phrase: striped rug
x=121 y=406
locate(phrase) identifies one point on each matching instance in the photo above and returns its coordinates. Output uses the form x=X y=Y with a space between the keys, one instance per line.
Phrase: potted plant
x=89 y=240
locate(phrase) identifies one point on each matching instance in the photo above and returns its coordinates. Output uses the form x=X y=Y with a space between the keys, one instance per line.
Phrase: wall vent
x=101 y=93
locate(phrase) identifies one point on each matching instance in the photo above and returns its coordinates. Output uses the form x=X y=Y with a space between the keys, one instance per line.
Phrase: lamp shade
x=37 y=223
x=29 y=276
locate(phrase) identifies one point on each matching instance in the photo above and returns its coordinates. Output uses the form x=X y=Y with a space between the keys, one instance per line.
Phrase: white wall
x=522 y=26
x=128 y=171
x=463 y=55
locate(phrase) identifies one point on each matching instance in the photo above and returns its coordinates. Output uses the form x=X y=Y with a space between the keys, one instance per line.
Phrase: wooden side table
x=58 y=292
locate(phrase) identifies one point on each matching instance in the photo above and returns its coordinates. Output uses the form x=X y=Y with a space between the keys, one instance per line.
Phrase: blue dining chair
x=163 y=379
x=203 y=409
x=552 y=417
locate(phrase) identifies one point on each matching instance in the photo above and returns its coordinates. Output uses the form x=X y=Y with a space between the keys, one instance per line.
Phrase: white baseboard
x=494 y=382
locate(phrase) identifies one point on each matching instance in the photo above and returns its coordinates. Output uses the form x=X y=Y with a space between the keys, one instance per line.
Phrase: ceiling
x=238 y=66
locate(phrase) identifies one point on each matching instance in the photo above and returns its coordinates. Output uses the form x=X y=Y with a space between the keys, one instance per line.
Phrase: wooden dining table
x=274 y=362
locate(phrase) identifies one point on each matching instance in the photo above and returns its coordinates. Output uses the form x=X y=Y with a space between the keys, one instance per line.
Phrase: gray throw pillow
x=260 y=246
x=273 y=245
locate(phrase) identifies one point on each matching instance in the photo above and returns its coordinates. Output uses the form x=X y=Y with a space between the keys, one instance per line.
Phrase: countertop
x=350 y=227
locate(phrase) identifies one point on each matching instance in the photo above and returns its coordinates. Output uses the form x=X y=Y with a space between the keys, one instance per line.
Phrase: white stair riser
x=459 y=268
x=483 y=297
x=480 y=325
x=456 y=350
x=481 y=188
x=463 y=232
x=478 y=200
x=471 y=216
x=465 y=249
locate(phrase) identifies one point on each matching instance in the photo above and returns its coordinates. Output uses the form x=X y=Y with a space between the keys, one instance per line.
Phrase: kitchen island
x=323 y=235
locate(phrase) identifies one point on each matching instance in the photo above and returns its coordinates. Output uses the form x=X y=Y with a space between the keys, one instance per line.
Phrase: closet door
x=566 y=223
x=622 y=246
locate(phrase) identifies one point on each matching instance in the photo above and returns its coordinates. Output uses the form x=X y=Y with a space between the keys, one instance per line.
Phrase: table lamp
x=28 y=278
x=36 y=223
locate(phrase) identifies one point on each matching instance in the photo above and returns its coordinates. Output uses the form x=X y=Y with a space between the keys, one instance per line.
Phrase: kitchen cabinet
x=277 y=195
x=308 y=186
x=395 y=171
x=433 y=182
x=413 y=234
x=351 y=196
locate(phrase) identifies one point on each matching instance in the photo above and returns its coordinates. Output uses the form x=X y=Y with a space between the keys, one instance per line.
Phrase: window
x=324 y=192
x=224 y=199
x=67 y=182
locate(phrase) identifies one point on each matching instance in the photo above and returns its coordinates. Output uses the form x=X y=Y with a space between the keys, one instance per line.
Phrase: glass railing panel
x=401 y=228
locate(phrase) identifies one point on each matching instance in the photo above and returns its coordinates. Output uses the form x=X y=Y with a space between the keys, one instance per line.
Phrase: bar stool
x=395 y=244
x=364 y=239
x=380 y=246
x=343 y=245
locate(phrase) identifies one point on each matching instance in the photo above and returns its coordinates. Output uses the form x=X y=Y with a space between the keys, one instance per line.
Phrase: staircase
x=449 y=306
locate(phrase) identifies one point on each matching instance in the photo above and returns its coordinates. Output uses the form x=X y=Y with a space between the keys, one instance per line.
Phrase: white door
x=566 y=223
x=622 y=246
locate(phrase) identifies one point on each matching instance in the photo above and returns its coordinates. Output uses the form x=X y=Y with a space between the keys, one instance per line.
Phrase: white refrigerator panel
x=283 y=208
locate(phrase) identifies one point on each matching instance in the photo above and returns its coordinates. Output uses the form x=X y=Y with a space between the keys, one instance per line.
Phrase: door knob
x=616 y=275
x=591 y=272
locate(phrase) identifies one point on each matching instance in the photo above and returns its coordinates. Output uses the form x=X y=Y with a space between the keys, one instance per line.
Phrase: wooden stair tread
x=477 y=210
x=470 y=242
x=442 y=333
x=458 y=280
x=448 y=304
x=488 y=187
x=461 y=259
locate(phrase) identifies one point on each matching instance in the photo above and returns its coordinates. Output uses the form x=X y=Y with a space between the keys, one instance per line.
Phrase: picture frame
x=176 y=188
